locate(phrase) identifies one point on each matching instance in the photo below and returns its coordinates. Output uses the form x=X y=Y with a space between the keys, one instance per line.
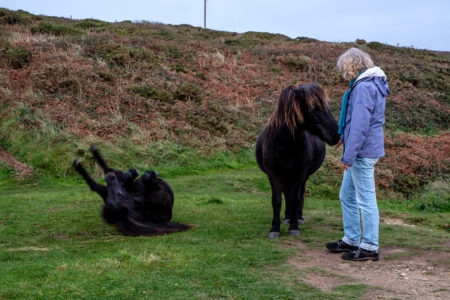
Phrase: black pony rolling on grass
x=291 y=148
x=135 y=206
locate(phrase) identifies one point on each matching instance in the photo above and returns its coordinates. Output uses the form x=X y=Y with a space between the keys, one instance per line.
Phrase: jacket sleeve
x=363 y=104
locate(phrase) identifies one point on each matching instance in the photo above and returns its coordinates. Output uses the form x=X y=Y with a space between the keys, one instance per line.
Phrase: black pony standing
x=291 y=148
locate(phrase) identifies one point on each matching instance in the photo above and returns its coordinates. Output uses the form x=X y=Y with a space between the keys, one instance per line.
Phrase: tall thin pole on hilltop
x=204 y=16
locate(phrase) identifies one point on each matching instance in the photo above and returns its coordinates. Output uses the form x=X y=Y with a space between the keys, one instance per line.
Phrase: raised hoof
x=76 y=162
x=294 y=232
x=273 y=235
x=300 y=221
x=93 y=148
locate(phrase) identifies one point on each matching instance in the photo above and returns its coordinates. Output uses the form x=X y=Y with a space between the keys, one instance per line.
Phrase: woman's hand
x=338 y=145
x=345 y=167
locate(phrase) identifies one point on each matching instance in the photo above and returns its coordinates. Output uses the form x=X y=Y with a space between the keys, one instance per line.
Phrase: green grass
x=53 y=243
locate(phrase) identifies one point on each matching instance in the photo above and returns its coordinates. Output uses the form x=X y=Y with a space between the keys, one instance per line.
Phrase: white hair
x=353 y=61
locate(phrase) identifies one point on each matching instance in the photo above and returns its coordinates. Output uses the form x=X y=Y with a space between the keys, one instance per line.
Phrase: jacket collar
x=372 y=72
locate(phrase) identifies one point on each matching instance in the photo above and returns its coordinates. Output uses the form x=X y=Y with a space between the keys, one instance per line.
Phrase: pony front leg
x=96 y=187
x=100 y=159
x=276 y=206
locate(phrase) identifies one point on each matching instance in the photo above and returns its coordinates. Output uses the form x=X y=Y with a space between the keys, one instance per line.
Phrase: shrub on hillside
x=275 y=70
x=304 y=39
x=297 y=63
x=171 y=53
x=90 y=23
x=4 y=34
x=378 y=46
x=178 y=67
x=107 y=76
x=14 y=17
x=115 y=53
x=4 y=46
x=203 y=118
x=14 y=57
x=242 y=42
x=152 y=92
x=188 y=92
x=54 y=29
x=207 y=34
x=17 y=57
x=265 y=36
x=125 y=31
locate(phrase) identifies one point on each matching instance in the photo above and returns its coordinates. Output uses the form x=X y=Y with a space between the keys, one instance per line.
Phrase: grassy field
x=54 y=245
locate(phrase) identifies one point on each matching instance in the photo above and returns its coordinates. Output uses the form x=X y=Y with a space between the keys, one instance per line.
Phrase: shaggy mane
x=293 y=100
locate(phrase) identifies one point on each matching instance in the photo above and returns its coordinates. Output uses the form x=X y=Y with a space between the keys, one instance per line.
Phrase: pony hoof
x=76 y=162
x=286 y=221
x=274 y=234
x=93 y=148
x=294 y=232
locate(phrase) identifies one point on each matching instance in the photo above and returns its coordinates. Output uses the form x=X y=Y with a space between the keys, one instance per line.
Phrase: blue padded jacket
x=363 y=132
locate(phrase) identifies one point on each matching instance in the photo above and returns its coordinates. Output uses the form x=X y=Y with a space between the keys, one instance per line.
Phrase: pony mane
x=293 y=100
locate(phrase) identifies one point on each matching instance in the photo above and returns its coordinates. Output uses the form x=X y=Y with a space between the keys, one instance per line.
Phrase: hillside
x=187 y=99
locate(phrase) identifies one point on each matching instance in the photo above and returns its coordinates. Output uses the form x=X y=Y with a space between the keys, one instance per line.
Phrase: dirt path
x=400 y=273
x=22 y=170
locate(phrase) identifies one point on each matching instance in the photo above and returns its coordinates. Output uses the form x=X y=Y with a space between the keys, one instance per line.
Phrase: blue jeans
x=358 y=193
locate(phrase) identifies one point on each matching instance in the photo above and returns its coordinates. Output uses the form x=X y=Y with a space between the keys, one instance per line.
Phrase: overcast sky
x=423 y=24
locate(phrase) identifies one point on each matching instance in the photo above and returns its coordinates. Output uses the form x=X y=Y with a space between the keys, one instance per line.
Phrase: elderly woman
x=361 y=128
